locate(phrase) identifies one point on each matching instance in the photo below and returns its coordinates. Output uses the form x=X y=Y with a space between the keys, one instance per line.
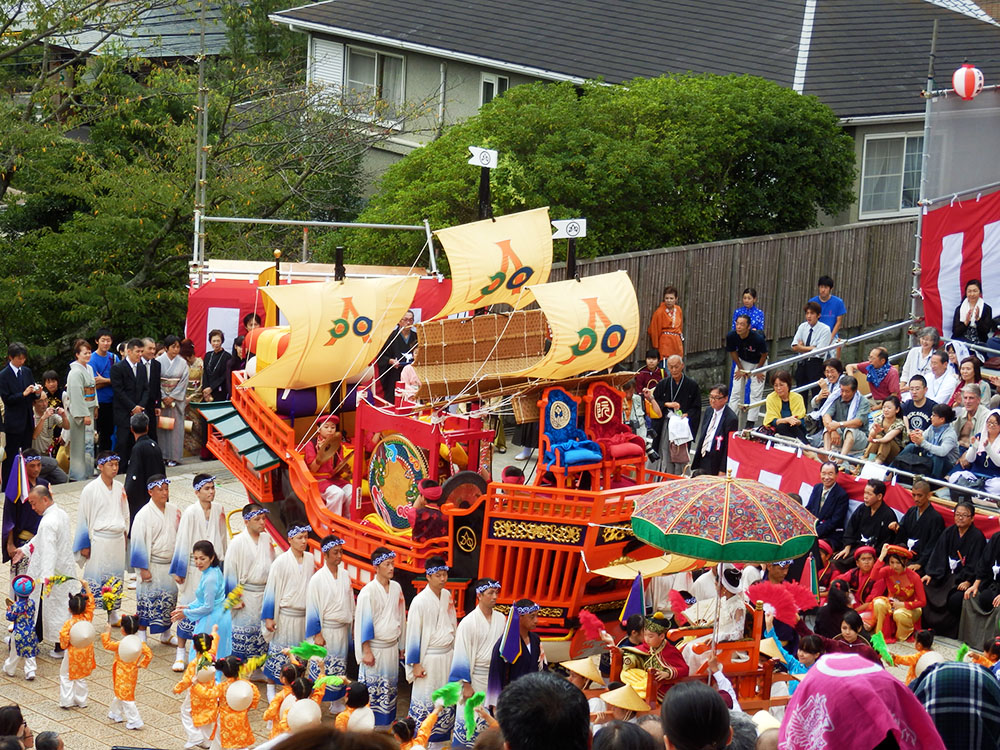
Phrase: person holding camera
x=18 y=391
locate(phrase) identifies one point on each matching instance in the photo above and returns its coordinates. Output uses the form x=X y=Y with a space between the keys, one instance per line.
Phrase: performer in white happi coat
x=102 y=530
x=379 y=632
x=284 y=610
x=477 y=634
x=204 y=519
x=430 y=644
x=50 y=553
x=248 y=561
x=329 y=614
x=154 y=533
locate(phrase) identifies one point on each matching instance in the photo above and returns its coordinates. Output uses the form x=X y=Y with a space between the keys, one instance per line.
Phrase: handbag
x=679 y=453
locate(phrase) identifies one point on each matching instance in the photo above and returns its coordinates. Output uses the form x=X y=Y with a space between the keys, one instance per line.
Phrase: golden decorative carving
x=616 y=533
x=528 y=531
x=466 y=539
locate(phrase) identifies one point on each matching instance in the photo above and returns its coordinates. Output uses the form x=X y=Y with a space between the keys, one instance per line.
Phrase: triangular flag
x=510 y=644
x=810 y=579
x=17 y=482
x=635 y=602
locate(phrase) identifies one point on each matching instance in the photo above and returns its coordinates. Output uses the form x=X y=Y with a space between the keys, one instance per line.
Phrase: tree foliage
x=653 y=163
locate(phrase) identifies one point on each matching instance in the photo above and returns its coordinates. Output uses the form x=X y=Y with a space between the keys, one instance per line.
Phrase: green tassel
x=449 y=694
x=471 y=704
x=962 y=651
x=878 y=643
x=306 y=651
x=328 y=680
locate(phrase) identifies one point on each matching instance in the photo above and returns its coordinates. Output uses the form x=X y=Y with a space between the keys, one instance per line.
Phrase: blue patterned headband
x=335 y=542
x=158 y=483
x=436 y=569
x=29 y=457
x=491 y=584
x=112 y=457
x=296 y=530
x=529 y=610
x=203 y=482
x=383 y=557
x=255 y=512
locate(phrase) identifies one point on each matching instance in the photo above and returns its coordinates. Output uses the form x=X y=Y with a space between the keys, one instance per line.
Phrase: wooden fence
x=871 y=264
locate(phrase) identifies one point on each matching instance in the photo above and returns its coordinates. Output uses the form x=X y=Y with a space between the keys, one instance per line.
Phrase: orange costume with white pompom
x=125 y=674
x=234 y=726
x=203 y=698
x=271 y=712
x=282 y=723
x=81 y=661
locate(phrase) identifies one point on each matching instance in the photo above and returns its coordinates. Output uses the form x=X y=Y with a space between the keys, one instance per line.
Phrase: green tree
x=249 y=33
x=652 y=163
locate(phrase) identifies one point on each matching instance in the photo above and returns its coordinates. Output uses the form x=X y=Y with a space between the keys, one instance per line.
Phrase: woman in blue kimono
x=208 y=609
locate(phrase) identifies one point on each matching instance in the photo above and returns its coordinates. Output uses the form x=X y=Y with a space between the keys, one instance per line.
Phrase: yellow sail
x=494 y=261
x=594 y=324
x=337 y=328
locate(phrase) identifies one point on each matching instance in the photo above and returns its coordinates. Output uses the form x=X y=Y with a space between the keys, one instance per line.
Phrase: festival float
x=497 y=334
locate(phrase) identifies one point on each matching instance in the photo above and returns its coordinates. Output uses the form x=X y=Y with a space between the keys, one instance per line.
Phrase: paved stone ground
x=89 y=728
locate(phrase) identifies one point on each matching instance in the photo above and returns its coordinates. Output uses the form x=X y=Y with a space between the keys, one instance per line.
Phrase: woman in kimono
x=194 y=441
x=207 y=610
x=173 y=390
x=81 y=389
x=284 y=612
x=862 y=580
x=898 y=598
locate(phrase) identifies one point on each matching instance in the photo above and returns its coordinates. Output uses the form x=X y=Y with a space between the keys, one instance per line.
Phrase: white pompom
x=82 y=634
x=239 y=695
x=362 y=720
x=130 y=648
x=303 y=715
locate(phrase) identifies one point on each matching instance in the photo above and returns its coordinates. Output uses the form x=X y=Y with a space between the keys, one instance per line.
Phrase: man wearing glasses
x=712 y=441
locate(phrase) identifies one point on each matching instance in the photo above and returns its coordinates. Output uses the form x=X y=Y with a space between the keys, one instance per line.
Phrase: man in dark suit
x=18 y=390
x=828 y=502
x=711 y=444
x=145 y=461
x=152 y=404
x=131 y=394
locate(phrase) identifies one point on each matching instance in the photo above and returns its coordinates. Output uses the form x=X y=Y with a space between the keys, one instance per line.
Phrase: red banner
x=960 y=241
x=783 y=468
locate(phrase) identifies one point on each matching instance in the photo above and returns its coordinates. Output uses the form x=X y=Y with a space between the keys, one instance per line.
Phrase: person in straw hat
x=625 y=703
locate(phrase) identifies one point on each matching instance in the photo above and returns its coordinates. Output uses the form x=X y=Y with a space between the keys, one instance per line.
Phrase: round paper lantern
x=205 y=675
x=239 y=695
x=967 y=81
x=286 y=704
x=82 y=634
x=362 y=720
x=303 y=715
x=130 y=648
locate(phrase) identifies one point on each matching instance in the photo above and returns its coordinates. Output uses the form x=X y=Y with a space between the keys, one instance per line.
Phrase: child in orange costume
x=78 y=663
x=234 y=726
x=405 y=730
x=990 y=655
x=125 y=674
x=201 y=705
x=356 y=697
x=923 y=641
x=303 y=688
x=289 y=674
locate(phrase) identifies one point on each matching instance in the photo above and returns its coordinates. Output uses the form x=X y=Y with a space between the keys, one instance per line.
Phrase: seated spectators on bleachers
x=918 y=359
x=970 y=417
x=942 y=380
x=917 y=408
x=784 y=410
x=973 y=317
x=933 y=451
x=829 y=391
x=951 y=570
x=979 y=467
x=883 y=380
x=845 y=424
x=970 y=373
x=887 y=435
x=994 y=342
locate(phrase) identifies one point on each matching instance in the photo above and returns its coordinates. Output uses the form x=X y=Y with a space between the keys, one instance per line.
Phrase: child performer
x=289 y=674
x=201 y=704
x=125 y=674
x=356 y=697
x=234 y=726
x=78 y=662
x=22 y=614
x=924 y=640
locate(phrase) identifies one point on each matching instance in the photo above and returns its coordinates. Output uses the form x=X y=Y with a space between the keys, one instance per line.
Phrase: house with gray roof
x=866 y=59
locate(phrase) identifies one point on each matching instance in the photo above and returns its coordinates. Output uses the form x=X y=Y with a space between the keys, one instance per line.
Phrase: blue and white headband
x=335 y=542
x=296 y=530
x=29 y=457
x=487 y=586
x=436 y=569
x=255 y=512
x=158 y=483
x=203 y=482
x=530 y=609
x=112 y=457
x=383 y=557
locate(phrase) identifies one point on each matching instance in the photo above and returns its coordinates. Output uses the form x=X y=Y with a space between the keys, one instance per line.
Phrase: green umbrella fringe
x=736 y=552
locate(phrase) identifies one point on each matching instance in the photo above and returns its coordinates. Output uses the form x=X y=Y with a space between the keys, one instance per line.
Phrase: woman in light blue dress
x=208 y=606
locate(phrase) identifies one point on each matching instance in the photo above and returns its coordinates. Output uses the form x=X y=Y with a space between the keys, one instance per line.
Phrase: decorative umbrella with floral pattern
x=725 y=520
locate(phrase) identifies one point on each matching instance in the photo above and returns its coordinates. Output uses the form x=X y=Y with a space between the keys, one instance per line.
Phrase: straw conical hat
x=625 y=697
x=769 y=648
x=584 y=668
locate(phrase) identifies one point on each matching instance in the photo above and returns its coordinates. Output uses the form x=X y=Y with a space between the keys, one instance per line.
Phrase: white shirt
x=706 y=444
x=821 y=336
x=939 y=389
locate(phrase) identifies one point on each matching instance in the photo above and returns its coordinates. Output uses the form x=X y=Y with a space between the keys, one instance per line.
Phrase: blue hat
x=23 y=585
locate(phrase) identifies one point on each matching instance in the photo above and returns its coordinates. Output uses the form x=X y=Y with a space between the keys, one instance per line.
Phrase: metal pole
x=485 y=201
x=789 y=442
x=430 y=247
x=916 y=299
x=302 y=223
x=961 y=193
x=305 y=244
